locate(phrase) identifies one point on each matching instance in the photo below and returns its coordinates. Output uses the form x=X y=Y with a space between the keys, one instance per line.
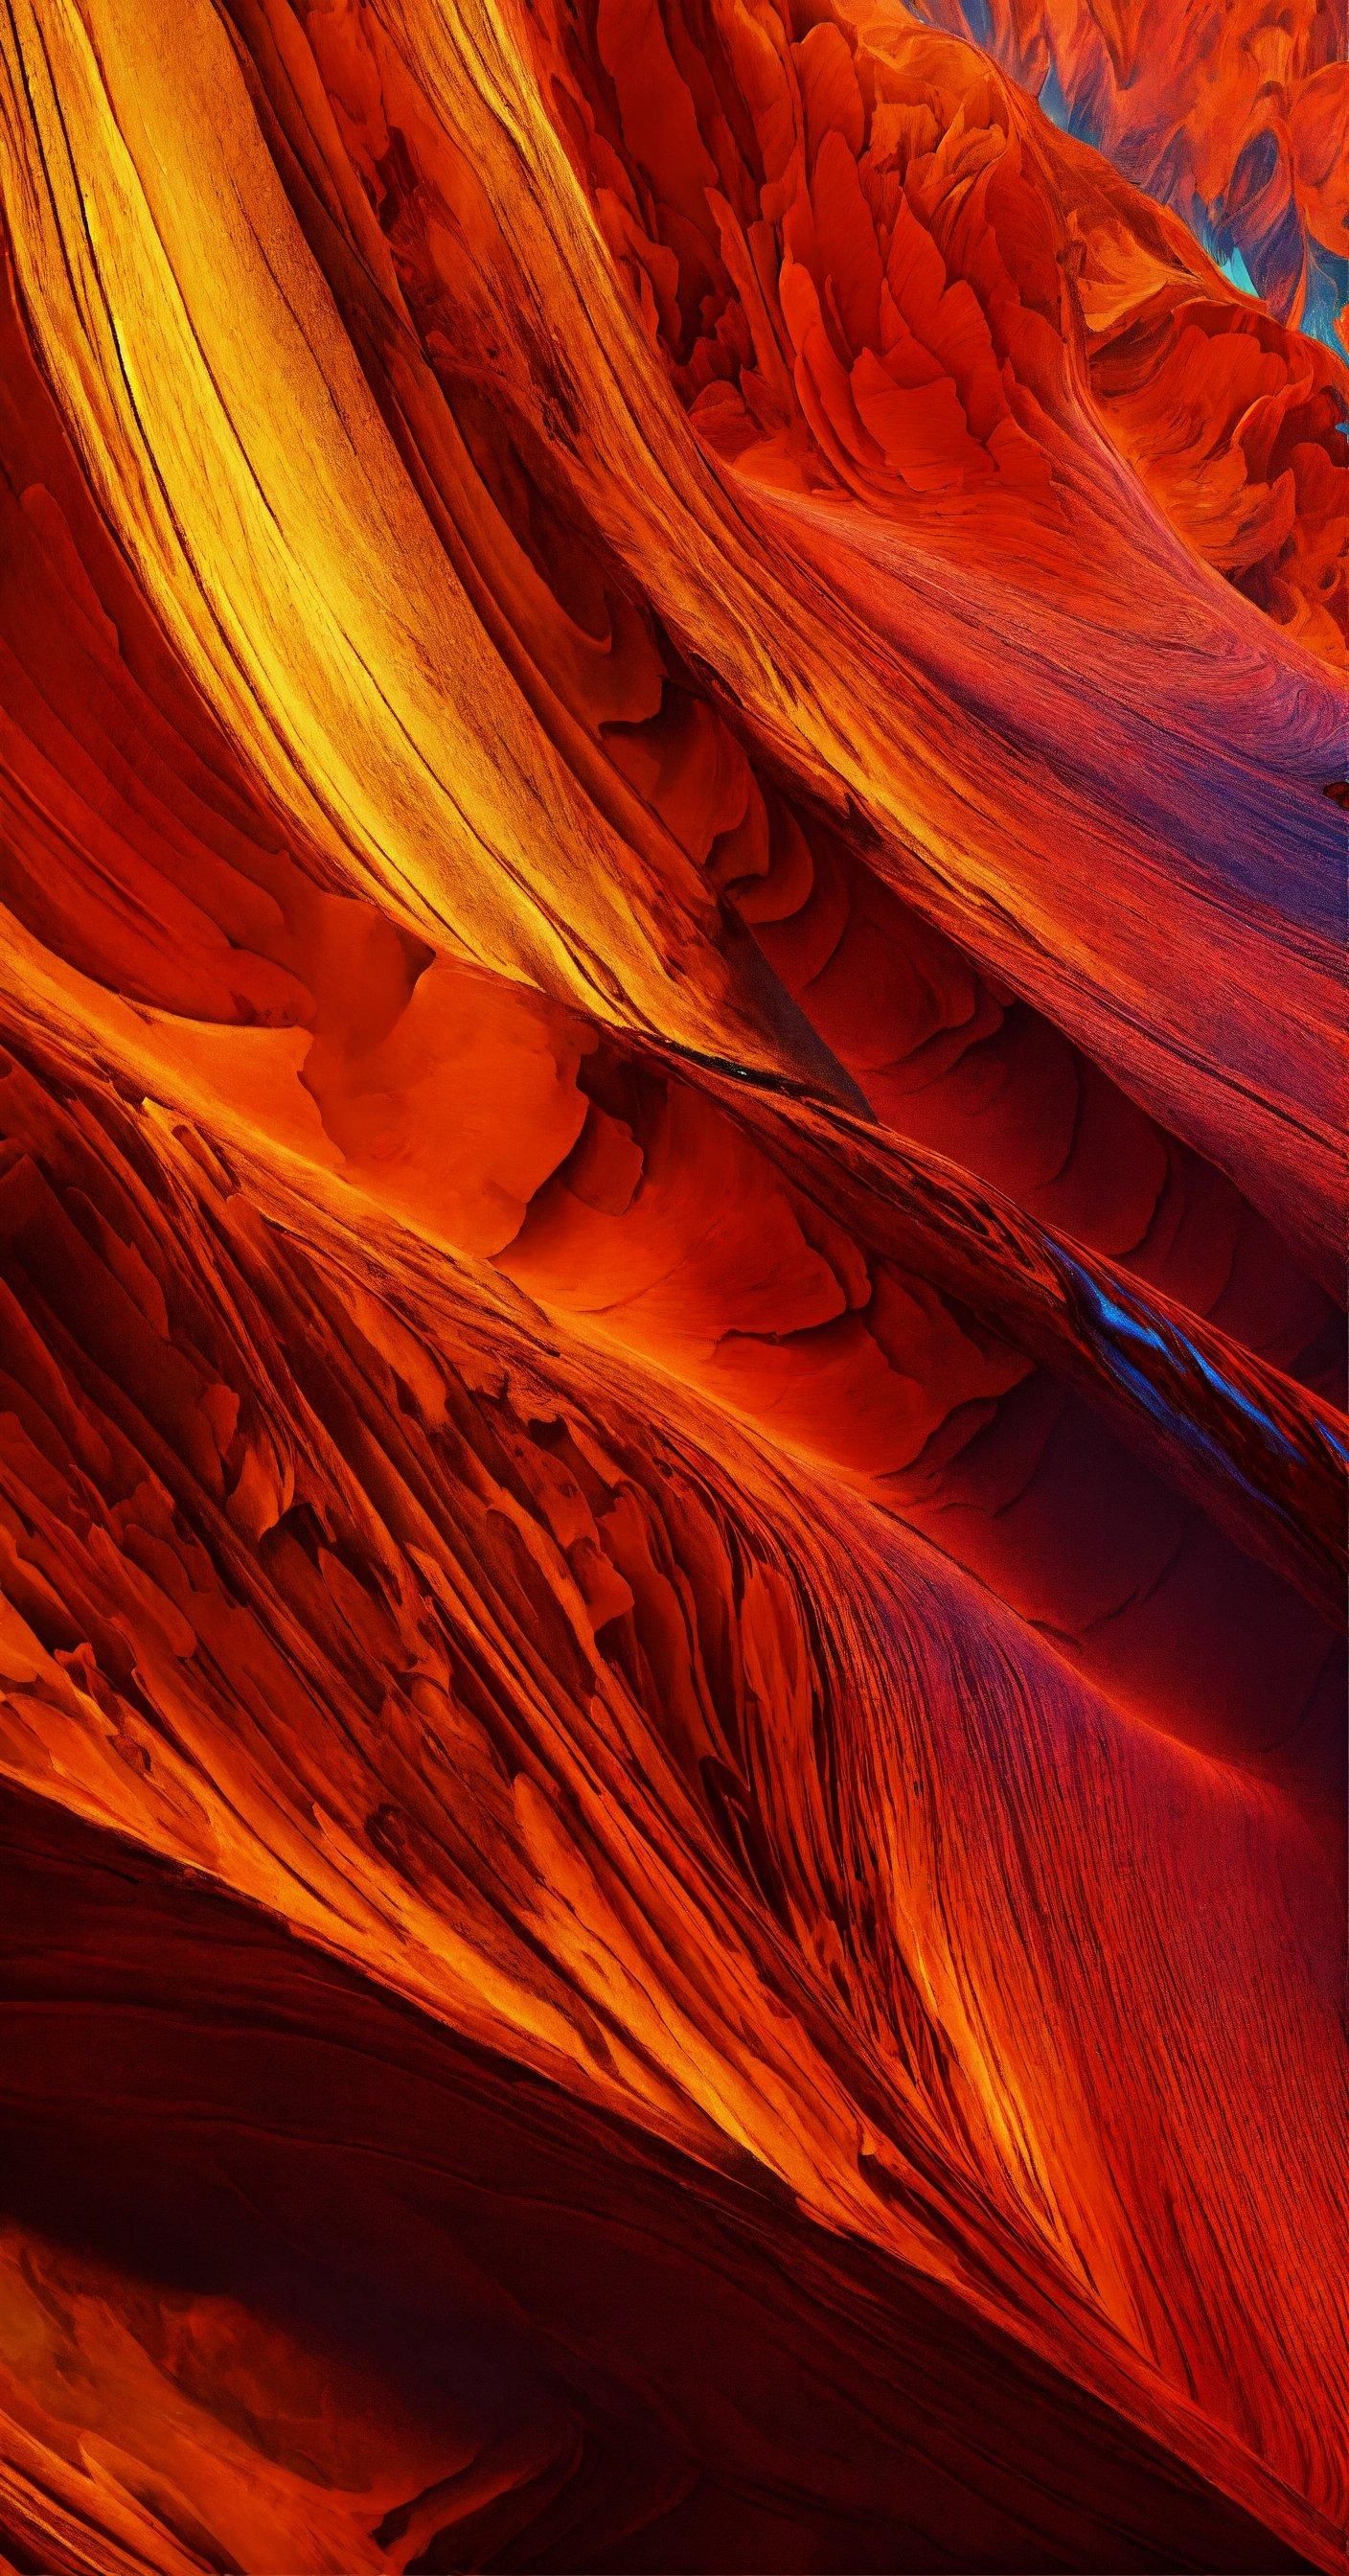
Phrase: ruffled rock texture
x=672 y=833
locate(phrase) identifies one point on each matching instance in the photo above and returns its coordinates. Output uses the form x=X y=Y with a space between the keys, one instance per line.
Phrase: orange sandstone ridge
x=672 y=833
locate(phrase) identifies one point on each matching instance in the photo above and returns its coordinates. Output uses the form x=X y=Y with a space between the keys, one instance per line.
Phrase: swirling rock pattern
x=1235 y=112
x=671 y=1487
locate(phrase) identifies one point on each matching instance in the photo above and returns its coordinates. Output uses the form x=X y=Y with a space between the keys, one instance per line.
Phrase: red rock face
x=1234 y=112
x=671 y=1752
